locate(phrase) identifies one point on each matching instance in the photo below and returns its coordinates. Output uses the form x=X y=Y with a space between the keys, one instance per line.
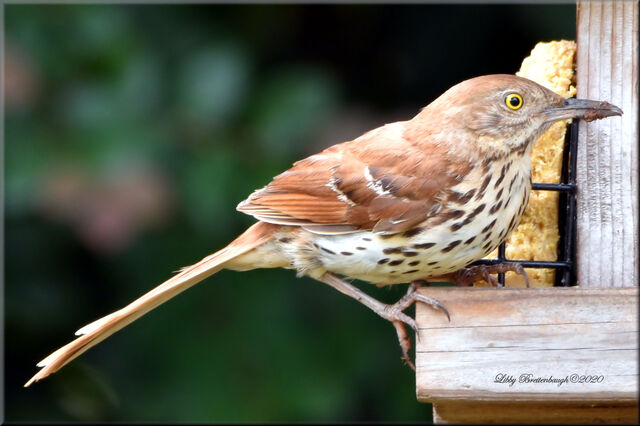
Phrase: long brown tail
x=99 y=330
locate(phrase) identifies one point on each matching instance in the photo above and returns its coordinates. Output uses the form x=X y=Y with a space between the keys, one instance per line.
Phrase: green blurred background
x=132 y=132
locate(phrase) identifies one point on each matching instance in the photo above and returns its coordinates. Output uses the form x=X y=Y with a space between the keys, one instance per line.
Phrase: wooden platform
x=529 y=355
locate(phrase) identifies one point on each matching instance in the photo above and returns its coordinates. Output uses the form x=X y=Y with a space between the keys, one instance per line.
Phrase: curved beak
x=582 y=108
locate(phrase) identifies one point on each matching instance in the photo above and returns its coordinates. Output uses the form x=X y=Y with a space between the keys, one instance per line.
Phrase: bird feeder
x=568 y=353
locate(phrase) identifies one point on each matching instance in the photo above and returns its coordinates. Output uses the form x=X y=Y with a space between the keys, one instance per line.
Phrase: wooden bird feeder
x=558 y=354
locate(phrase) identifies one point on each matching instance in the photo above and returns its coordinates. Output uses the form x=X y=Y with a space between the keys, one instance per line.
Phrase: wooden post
x=607 y=172
x=538 y=337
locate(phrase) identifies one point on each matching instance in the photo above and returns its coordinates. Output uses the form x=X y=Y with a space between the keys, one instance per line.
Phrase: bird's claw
x=394 y=313
x=467 y=276
x=433 y=302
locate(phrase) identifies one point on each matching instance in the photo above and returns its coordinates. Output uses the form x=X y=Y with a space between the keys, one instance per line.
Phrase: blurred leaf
x=141 y=85
x=206 y=184
x=213 y=83
x=97 y=28
x=26 y=157
x=90 y=104
x=289 y=106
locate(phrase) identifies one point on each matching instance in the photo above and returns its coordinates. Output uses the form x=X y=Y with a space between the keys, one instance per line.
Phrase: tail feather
x=97 y=331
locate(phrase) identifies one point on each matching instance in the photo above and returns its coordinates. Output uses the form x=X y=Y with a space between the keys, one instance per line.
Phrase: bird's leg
x=465 y=277
x=392 y=313
x=411 y=297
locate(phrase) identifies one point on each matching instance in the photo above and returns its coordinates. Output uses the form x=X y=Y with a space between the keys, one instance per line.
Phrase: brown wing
x=387 y=181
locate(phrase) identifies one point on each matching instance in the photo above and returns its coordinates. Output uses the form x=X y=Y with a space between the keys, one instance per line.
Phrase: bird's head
x=505 y=113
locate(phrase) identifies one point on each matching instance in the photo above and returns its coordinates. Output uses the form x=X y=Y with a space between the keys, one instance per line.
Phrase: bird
x=404 y=203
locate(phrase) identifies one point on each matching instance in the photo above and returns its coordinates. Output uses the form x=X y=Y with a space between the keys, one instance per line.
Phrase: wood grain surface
x=529 y=345
x=607 y=161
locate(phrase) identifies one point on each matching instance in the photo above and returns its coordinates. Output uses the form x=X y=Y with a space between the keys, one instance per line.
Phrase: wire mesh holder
x=565 y=266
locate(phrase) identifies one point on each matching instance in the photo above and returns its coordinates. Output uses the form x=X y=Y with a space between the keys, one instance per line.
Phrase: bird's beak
x=582 y=108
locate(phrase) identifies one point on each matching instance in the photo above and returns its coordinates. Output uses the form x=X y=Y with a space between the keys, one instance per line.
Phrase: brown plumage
x=404 y=202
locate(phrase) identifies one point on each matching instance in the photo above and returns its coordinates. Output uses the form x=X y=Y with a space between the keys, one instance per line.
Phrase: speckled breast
x=478 y=216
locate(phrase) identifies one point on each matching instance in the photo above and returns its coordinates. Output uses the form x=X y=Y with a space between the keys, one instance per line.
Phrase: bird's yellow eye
x=513 y=101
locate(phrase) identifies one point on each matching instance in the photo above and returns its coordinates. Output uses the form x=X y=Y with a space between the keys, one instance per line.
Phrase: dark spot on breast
x=460 y=198
x=476 y=211
x=413 y=271
x=503 y=173
x=346 y=253
x=523 y=147
x=423 y=245
x=366 y=239
x=489 y=226
x=383 y=261
x=486 y=164
x=486 y=237
x=327 y=250
x=396 y=262
x=499 y=194
x=395 y=271
x=412 y=232
x=457 y=226
x=386 y=236
x=432 y=263
x=360 y=248
x=485 y=183
x=495 y=208
x=487 y=245
x=468 y=219
x=446 y=215
x=512 y=223
x=513 y=180
x=451 y=246
x=414 y=263
x=409 y=253
x=524 y=205
x=470 y=240
x=392 y=250
x=285 y=240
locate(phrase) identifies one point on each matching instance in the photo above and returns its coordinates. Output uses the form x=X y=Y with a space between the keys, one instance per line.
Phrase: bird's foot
x=465 y=277
x=392 y=313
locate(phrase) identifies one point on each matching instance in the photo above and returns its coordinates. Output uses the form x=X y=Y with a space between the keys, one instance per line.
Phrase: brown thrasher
x=402 y=203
